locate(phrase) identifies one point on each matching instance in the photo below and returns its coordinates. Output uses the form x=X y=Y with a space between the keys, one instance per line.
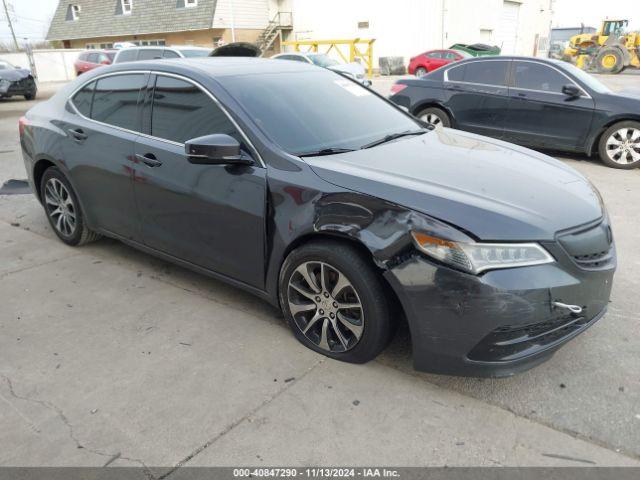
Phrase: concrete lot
x=110 y=356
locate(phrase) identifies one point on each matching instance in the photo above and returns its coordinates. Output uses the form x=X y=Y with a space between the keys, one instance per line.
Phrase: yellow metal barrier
x=358 y=49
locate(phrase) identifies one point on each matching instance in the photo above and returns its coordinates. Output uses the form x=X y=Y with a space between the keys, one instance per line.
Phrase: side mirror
x=216 y=149
x=571 y=91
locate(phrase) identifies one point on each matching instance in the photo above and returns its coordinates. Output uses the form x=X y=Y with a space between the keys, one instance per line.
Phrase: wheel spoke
x=324 y=339
x=304 y=271
x=338 y=333
x=323 y=279
x=355 y=329
x=346 y=306
x=59 y=222
x=635 y=135
x=297 y=308
x=340 y=285
x=315 y=319
x=303 y=292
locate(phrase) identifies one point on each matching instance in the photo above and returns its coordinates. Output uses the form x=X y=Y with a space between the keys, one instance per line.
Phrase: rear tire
x=421 y=72
x=609 y=60
x=316 y=311
x=619 y=145
x=435 y=116
x=63 y=209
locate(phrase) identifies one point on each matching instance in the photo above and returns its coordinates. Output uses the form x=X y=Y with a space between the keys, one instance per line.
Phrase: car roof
x=217 y=66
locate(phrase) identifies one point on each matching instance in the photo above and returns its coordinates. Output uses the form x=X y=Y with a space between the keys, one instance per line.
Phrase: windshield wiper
x=325 y=151
x=393 y=136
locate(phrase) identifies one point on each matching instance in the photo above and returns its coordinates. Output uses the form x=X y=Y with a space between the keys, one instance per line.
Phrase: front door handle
x=78 y=135
x=149 y=159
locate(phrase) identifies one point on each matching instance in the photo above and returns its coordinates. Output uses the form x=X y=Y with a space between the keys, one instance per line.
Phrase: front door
x=209 y=215
x=100 y=125
x=477 y=95
x=540 y=115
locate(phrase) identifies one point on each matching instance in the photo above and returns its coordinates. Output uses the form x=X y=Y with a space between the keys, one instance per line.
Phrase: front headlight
x=4 y=84
x=478 y=257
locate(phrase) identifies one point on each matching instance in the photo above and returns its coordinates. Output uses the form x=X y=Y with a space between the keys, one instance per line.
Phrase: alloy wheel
x=325 y=306
x=432 y=119
x=60 y=207
x=623 y=146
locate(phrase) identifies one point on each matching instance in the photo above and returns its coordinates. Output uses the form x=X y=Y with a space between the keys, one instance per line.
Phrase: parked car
x=93 y=59
x=133 y=54
x=16 y=81
x=477 y=49
x=534 y=102
x=332 y=203
x=353 y=70
x=429 y=61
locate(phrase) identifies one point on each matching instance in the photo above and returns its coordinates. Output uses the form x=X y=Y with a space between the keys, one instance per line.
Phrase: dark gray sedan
x=533 y=102
x=331 y=203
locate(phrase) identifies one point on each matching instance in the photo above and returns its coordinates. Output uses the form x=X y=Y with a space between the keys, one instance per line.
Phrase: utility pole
x=13 y=33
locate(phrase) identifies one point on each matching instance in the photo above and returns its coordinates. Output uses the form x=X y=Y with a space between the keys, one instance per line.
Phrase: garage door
x=507 y=34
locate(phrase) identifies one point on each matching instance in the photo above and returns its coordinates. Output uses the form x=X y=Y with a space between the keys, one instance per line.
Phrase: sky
x=31 y=17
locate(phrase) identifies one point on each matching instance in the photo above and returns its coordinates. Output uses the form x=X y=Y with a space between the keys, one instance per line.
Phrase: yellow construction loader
x=610 y=50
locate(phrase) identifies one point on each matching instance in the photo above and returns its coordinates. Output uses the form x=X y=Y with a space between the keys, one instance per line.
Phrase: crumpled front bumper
x=499 y=323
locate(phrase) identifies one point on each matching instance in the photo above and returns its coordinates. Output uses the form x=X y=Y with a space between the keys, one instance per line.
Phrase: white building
x=408 y=27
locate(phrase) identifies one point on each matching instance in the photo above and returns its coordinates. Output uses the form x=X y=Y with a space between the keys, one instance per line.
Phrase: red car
x=433 y=59
x=92 y=59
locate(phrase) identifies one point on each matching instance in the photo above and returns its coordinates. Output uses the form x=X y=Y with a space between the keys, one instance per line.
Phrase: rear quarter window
x=456 y=74
x=115 y=100
x=83 y=98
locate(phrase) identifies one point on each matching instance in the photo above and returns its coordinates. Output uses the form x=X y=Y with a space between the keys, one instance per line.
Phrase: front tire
x=63 y=209
x=619 y=145
x=609 y=60
x=435 y=116
x=334 y=301
x=30 y=95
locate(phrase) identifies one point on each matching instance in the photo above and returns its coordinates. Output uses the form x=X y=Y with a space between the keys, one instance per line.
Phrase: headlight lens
x=478 y=257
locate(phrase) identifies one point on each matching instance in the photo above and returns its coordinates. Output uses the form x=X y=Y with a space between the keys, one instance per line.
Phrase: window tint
x=534 y=76
x=434 y=55
x=456 y=74
x=82 y=99
x=450 y=55
x=115 y=100
x=488 y=73
x=127 y=55
x=170 y=54
x=149 y=54
x=93 y=58
x=181 y=111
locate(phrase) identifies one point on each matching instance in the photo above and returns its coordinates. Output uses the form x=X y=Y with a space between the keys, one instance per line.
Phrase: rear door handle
x=78 y=135
x=149 y=159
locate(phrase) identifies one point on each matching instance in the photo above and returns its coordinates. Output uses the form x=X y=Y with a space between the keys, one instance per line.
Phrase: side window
x=456 y=74
x=450 y=55
x=434 y=55
x=127 y=55
x=150 y=53
x=92 y=58
x=534 y=76
x=181 y=111
x=116 y=100
x=170 y=54
x=487 y=73
x=82 y=99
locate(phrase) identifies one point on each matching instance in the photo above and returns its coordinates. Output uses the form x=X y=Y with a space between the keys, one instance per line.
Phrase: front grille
x=21 y=85
x=510 y=342
x=590 y=248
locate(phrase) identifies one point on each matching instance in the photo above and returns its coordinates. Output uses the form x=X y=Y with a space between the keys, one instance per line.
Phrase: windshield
x=306 y=112
x=589 y=80
x=323 y=60
x=4 y=65
x=195 y=53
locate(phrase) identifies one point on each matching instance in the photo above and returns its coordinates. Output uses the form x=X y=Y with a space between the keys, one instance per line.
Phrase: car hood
x=353 y=68
x=492 y=189
x=14 y=74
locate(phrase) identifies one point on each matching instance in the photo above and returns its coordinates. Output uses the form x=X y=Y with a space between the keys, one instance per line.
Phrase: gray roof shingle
x=101 y=18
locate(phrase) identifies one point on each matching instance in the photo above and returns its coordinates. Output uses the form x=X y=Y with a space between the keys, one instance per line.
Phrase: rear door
x=539 y=114
x=477 y=94
x=209 y=215
x=101 y=125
